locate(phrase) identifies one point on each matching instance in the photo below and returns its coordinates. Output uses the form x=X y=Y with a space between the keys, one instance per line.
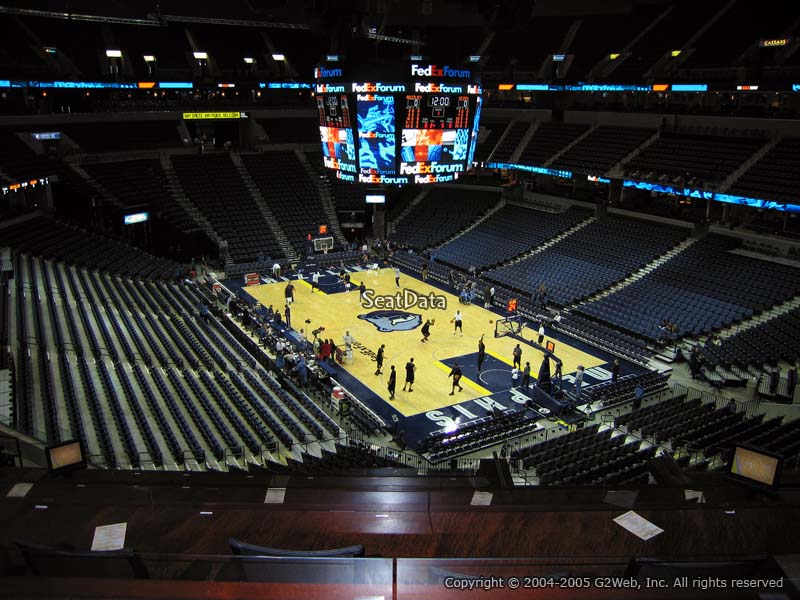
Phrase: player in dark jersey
x=379 y=359
x=481 y=353
x=410 y=369
x=426 y=330
x=392 y=382
x=455 y=373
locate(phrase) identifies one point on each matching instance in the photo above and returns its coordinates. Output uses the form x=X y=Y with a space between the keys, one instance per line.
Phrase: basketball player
x=517 y=356
x=426 y=330
x=379 y=359
x=410 y=369
x=455 y=373
x=458 y=322
x=392 y=382
x=397 y=277
x=481 y=353
x=288 y=292
x=314 y=281
x=541 y=334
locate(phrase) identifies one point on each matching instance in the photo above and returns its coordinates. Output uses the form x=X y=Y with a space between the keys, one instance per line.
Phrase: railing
x=749 y=407
x=200 y=459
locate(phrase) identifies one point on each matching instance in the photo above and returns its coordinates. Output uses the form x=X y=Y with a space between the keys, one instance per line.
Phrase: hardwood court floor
x=339 y=313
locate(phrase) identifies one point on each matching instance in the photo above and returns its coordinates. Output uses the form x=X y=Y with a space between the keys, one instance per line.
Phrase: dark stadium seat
x=442 y=213
x=601 y=149
x=214 y=186
x=510 y=231
x=57 y=561
x=704 y=288
x=548 y=139
x=584 y=262
x=290 y=193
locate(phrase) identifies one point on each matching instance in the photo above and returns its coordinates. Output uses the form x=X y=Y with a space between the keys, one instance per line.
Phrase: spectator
x=301 y=369
x=578 y=381
x=638 y=395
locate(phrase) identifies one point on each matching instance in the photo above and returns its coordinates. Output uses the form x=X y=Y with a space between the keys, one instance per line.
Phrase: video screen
x=435 y=145
x=338 y=143
x=376 y=134
x=760 y=468
x=474 y=135
x=65 y=456
x=376 y=198
x=334 y=110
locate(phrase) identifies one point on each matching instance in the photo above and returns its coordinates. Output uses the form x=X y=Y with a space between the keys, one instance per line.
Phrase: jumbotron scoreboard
x=420 y=127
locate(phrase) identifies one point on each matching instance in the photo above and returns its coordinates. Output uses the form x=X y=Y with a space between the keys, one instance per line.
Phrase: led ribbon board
x=136 y=218
x=709 y=195
x=213 y=115
x=24 y=185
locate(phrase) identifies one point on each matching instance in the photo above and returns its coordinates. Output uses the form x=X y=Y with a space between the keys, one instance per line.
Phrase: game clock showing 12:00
x=437 y=111
x=439 y=101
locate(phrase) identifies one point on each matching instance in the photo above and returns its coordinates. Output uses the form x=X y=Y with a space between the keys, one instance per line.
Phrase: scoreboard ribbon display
x=419 y=131
x=213 y=115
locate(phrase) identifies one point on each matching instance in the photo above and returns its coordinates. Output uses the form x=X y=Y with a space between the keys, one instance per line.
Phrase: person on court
x=288 y=292
x=541 y=334
x=348 y=341
x=410 y=369
x=379 y=359
x=288 y=316
x=362 y=290
x=455 y=373
x=392 y=382
x=515 y=377
x=457 y=320
x=517 y=356
x=426 y=330
x=526 y=375
x=314 y=281
x=481 y=353
x=397 y=276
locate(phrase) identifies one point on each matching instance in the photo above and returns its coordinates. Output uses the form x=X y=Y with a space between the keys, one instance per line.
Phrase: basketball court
x=395 y=321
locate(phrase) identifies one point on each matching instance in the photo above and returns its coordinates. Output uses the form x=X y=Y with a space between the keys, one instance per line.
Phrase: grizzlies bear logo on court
x=392 y=320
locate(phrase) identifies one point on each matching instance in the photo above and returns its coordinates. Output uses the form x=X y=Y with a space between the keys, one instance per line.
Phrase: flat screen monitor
x=376 y=198
x=65 y=457
x=755 y=467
